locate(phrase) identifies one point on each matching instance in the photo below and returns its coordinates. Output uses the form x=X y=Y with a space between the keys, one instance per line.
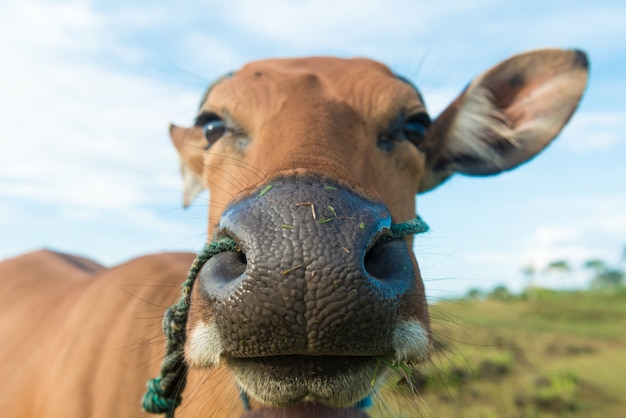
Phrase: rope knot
x=154 y=400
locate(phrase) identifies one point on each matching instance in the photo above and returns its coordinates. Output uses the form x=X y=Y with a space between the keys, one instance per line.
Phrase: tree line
x=604 y=277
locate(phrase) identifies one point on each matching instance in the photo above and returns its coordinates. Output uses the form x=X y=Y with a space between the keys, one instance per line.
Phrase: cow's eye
x=415 y=127
x=213 y=130
x=213 y=127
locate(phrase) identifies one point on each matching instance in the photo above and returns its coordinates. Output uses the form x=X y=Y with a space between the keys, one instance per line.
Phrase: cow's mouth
x=283 y=381
x=306 y=410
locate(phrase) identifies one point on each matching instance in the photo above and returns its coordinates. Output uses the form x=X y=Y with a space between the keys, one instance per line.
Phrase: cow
x=308 y=162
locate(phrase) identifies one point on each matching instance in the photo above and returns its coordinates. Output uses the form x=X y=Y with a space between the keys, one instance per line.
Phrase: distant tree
x=500 y=293
x=530 y=271
x=474 y=294
x=609 y=279
x=596 y=265
x=560 y=266
x=605 y=277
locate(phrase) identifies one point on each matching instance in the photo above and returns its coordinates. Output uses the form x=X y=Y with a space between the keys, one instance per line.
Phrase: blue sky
x=87 y=89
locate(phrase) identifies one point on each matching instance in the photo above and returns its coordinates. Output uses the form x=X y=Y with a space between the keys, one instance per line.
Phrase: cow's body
x=86 y=358
x=309 y=162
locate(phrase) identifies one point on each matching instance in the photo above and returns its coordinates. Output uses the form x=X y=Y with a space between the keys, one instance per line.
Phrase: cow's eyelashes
x=415 y=127
x=213 y=127
x=412 y=128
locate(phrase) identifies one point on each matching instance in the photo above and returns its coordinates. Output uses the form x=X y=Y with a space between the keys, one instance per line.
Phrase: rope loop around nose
x=163 y=393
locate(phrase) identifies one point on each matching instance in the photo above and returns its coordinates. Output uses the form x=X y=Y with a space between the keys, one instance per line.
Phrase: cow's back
x=78 y=339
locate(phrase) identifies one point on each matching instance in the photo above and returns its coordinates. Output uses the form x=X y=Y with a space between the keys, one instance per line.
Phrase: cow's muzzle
x=311 y=277
x=314 y=299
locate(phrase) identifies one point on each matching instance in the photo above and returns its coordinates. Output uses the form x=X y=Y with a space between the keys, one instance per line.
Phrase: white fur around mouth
x=204 y=348
x=410 y=342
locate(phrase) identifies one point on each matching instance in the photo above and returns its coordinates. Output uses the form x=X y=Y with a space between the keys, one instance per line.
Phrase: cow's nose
x=313 y=276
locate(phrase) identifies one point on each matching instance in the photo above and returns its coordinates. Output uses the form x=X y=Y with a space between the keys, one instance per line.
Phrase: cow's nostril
x=227 y=266
x=386 y=260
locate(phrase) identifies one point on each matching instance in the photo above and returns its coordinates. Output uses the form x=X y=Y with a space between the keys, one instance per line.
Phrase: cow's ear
x=505 y=116
x=190 y=146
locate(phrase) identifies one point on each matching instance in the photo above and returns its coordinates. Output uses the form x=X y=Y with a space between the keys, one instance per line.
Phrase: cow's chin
x=305 y=410
x=284 y=381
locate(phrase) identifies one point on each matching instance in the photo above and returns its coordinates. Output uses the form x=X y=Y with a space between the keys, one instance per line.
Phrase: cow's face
x=308 y=163
x=348 y=120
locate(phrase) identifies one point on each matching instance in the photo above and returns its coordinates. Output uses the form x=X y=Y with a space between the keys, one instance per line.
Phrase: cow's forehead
x=319 y=65
x=362 y=80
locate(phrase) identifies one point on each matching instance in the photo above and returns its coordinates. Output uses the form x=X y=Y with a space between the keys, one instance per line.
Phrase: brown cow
x=308 y=162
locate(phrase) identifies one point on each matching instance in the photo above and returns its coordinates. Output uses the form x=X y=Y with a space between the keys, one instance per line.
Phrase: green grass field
x=560 y=355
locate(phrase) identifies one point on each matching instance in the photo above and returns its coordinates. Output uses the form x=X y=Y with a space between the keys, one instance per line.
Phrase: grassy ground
x=560 y=355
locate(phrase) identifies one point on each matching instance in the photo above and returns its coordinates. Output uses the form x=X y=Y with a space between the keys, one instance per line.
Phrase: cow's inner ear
x=190 y=144
x=506 y=116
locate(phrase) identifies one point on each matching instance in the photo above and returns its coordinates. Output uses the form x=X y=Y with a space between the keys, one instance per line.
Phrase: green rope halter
x=164 y=391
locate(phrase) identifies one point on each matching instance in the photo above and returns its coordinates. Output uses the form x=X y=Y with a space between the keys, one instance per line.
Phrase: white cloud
x=595 y=228
x=66 y=25
x=87 y=135
x=575 y=228
x=600 y=27
x=610 y=215
x=81 y=142
x=541 y=256
x=593 y=131
x=77 y=134
x=72 y=26
x=547 y=235
x=211 y=55
x=352 y=26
